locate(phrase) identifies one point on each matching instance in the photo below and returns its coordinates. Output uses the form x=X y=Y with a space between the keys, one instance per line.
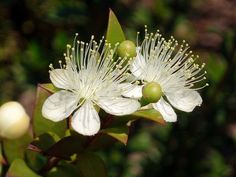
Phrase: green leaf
x=49 y=87
x=150 y=114
x=45 y=141
x=15 y=149
x=19 y=169
x=40 y=124
x=119 y=133
x=91 y=165
x=66 y=147
x=35 y=160
x=115 y=33
x=65 y=170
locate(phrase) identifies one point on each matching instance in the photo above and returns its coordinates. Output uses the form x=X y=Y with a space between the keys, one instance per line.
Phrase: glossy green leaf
x=150 y=114
x=19 y=169
x=66 y=147
x=119 y=133
x=43 y=142
x=15 y=149
x=115 y=33
x=91 y=165
x=40 y=124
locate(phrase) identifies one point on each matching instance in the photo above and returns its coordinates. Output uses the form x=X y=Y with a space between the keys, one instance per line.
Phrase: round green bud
x=152 y=92
x=127 y=49
x=14 y=121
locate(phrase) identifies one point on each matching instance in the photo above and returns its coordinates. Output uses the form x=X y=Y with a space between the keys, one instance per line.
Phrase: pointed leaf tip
x=115 y=33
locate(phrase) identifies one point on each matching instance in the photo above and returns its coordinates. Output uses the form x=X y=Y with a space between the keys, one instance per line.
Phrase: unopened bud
x=127 y=49
x=152 y=92
x=14 y=121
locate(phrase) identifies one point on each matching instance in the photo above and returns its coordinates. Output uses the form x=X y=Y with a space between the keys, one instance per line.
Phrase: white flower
x=172 y=67
x=90 y=78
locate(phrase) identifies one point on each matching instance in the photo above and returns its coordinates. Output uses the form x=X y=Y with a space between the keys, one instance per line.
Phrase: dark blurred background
x=34 y=33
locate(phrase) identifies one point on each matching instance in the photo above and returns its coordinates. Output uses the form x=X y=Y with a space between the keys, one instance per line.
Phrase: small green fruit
x=127 y=49
x=152 y=92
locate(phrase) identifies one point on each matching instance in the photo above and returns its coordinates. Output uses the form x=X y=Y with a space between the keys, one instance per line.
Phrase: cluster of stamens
x=169 y=63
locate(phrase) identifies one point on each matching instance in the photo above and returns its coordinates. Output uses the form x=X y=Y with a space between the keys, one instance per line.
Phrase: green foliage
x=200 y=144
x=19 y=169
x=119 y=133
x=40 y=124
x=91 y=165
x=115 y=33
x=66 y=147
x=150 y=114
x=15 y=149
x=65 y=169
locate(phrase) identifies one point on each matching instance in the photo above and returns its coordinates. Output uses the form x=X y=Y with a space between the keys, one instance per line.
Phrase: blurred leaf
x=162 y=10
x=65 y=170
x=40 y=124
x=19 y=169
x=59 y=41
x=216 y=165
x=216 y=68
x=34 y=55
x=115 y=33
x=35 y=160
x=91 y=165
x=119 y=133
x=15 y=149
x=66 y=147
x=140 y=142
x=150 y=114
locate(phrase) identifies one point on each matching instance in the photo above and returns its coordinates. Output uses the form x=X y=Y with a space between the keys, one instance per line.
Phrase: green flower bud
x=127 y=49
x=14 y=122
x=152 y=92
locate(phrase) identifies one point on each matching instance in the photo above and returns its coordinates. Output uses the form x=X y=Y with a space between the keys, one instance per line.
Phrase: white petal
x=166 y=110
x=118 y=105
x=60 y=78
x=59 y=105
x=86 y=120
x=131 y=90
x=138 y=66
x=185 y=100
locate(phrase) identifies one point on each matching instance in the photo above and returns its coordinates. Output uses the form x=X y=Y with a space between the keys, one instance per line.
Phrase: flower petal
x=60 y=78
x=59 y=105
x=138 y=66
x=118 y=106
x=185 y=100
x=86 y=120
x=131 y=90
x=166 y=110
